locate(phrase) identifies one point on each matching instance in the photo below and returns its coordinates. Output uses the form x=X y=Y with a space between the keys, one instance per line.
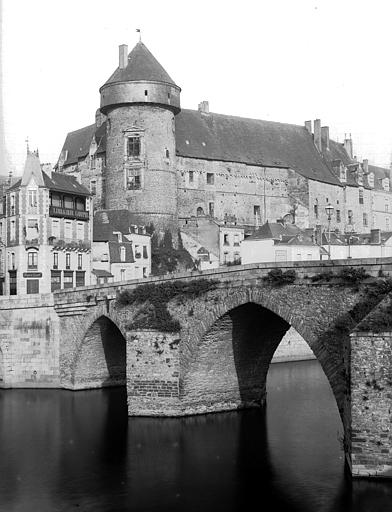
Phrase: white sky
x=281 y=60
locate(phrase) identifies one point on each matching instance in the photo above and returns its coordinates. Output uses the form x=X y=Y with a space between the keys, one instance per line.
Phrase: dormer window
x=122 y=253
x=371 y=179
x=385 y=184
x=343 y=173
x=360 y=178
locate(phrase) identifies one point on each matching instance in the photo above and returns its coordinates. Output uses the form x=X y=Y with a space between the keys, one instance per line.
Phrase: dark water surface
x=65 y=451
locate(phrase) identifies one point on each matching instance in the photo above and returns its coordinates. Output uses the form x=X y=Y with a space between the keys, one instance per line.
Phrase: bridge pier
x=371 y=404
x=153 y=373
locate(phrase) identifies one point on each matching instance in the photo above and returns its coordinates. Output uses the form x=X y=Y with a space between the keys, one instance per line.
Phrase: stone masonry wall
x=152 y=373
x=371 y=398
x=29 y=342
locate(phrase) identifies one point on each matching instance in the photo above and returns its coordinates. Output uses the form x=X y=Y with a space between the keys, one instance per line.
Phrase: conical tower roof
x=143 y=66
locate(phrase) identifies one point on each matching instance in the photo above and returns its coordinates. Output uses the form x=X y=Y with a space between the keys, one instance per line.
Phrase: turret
x=140 y=101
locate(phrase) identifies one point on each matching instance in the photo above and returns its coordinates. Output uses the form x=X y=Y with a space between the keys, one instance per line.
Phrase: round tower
x=140 y=101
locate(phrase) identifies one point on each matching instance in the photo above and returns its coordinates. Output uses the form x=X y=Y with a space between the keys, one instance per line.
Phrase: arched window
x=122 y=253
x=200 y=212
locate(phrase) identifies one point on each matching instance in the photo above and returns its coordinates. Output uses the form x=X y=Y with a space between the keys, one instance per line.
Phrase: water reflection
x=65 y=451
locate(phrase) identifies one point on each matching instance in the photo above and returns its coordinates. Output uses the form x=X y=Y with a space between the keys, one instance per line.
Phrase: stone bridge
x=203 y=343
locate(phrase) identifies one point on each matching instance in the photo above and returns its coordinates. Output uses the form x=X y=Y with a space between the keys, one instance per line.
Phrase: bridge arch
x=230 y=348
x=100 y=358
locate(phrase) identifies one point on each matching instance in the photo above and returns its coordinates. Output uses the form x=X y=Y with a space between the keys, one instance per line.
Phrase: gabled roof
x=77 y=143
x=142 y=65
x=274 y=231
x=59 y=182
x=106 y=222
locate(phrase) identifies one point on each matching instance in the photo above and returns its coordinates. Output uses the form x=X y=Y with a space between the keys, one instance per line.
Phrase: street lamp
x=329 y=210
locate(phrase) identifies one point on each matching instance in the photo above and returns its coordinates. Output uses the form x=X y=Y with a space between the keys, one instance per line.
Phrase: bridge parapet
x=108 y=291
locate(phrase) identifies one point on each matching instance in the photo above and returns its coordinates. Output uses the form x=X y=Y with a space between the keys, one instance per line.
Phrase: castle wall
x=91 y=174
x=238 y=190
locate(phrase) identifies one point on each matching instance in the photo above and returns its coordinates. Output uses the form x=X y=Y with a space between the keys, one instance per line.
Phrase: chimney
x=122 y=56
x=325 y=136
x=317 y=134
x=365 y=165
x=204 y=107
x=348 y=146
x=308 y=126
x=375 y=236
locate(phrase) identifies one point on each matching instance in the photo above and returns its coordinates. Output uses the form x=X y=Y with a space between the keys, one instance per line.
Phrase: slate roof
x=99 y=272
x=114 y=252
x=250 y=141
x=60 y=182
x=77 y=143
x=142 y=65
x=108 y=221
x=275 y=231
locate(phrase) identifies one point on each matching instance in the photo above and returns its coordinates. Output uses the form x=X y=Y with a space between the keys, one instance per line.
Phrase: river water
x=65 y=451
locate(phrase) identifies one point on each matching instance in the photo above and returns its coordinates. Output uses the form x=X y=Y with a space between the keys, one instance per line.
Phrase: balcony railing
x=68 y=213
x=75 y=245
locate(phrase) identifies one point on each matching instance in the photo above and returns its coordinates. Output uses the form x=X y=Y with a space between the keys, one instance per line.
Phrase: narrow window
x=68 y=229
x=191 y=176
x=316 y=212
x=55 y=260
x=338 y=218
x=122 y=253
x=32 y=198
x=360 y=195
x=387 y=223
x=133 y=181
x=211 y=209
x=350 y=216
x=80 y=261
x=210 y=178
x=12 y=204
x=56 y=228
x=133 y=147
x=167 y=153
x=80 y=230
x=145 y=92
x=122 y=274
x=93 y=187
x=226 y=239
x=32 y=260
x=12 y=231
x=67 y=260
x=236 y=240
x=199 y=212
x=145 y=253
x=138 y=254
x=365 y=219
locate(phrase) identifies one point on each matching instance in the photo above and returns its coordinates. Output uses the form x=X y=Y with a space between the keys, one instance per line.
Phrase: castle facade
x=169 y=165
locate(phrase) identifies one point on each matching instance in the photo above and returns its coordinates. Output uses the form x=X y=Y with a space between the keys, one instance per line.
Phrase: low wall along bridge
x=202 y=342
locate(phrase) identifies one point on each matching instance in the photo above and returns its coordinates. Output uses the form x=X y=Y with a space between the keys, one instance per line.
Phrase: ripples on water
x=64 y=451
